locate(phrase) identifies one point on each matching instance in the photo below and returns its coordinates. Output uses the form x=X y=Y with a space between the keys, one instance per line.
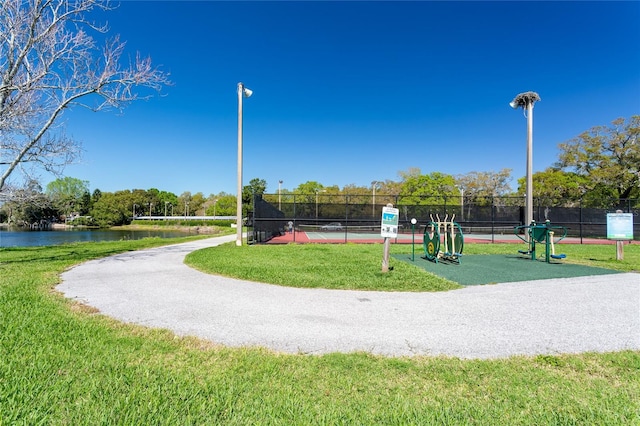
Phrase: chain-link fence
x=273 y=214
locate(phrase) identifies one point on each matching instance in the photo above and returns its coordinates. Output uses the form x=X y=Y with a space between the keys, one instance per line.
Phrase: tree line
x=599 y=168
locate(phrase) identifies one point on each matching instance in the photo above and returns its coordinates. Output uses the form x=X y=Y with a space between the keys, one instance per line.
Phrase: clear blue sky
x=351 y=92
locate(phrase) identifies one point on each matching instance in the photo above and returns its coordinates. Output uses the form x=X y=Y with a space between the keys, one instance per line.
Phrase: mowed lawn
x=64 y=363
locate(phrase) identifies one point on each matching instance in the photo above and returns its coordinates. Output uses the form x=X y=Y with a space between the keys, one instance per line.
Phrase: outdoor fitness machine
x=452 y=240
x=543 y=234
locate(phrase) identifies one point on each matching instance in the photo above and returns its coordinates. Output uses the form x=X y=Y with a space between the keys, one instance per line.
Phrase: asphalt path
x=155 y=288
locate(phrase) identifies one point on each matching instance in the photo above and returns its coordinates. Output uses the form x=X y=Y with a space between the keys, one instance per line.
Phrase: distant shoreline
x=212 y=230
x=188 y=229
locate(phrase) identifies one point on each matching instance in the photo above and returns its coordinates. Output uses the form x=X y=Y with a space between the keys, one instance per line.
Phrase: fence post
x=493 y=219
x=294 y=218
x=580 y=220
x=346 y=218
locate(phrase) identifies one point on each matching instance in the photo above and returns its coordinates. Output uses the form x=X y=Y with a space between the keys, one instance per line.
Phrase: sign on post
x=619 y=228
x=389 y=227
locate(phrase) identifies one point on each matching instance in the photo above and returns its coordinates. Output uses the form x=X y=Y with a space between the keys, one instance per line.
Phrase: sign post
x=388 y=229
x=413 y=239
x=620 y=228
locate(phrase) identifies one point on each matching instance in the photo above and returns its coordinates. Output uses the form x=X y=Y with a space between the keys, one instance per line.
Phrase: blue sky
x=352 y=92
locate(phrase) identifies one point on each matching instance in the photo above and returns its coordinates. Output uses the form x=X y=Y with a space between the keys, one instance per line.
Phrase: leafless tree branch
x=49 y=63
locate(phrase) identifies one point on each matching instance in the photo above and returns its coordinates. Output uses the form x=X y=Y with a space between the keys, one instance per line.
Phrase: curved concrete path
x=154 y=288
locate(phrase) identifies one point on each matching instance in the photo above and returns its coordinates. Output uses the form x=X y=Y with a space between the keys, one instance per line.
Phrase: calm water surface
x=19 y=238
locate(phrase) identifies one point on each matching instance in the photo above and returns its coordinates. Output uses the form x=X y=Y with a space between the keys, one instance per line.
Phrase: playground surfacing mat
x=500 y=268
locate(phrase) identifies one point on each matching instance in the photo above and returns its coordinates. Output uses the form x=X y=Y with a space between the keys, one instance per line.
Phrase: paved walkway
x=154 y=288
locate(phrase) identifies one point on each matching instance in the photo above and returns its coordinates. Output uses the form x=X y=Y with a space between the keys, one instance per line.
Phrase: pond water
x=24 y=238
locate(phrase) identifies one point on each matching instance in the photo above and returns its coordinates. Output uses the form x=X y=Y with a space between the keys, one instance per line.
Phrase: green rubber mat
x=500 y=268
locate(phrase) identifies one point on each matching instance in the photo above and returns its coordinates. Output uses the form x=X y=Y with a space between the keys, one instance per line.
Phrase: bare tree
x=49 y=63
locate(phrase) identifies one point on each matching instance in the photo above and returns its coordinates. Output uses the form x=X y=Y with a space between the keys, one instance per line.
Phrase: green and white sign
x=619 y=226
x=389 y=228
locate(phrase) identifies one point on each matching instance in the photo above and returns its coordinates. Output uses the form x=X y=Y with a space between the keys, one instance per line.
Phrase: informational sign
x=619 y=226
x=389 y=228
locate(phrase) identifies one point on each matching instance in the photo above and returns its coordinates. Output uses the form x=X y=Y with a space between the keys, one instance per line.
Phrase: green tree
x=167 y=202
x=95 y=195
x=197 y=204
x=153 y=204
x=556 y=188
x=68 y=195
x=256 y=187
x=113 y=209
x=607 y=156
x=222 y=204
x=85 y=203
x=306 y=195
x=357 y=194
x=309 y=187
x=429 y=189
x=139 y=202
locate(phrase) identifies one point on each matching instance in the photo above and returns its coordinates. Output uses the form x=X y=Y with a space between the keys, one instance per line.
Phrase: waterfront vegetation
x=176 y=222
x=62 y=362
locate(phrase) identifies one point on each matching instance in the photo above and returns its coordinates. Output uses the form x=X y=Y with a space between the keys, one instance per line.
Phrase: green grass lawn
x=64 y=363
x=358 y=266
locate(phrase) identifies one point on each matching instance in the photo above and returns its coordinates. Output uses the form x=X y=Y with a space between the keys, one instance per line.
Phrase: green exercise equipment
x=541 y=234
x=446 y=235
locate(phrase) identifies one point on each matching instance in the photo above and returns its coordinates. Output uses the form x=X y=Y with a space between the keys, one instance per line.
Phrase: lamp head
x=247 y=92
x=524 y=100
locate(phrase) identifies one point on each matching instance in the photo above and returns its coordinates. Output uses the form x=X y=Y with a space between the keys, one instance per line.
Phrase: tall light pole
x=461 y=202
x=243 y=92
x=374 y=184
x=280 y=195
x=317 y=192
x=526 y=100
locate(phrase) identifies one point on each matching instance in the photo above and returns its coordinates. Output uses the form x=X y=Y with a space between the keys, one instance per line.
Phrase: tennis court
x=350 y=235
x=319 y=236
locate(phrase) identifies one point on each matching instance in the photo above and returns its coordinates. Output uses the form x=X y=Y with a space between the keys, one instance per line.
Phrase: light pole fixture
x=243 y=92
x=526 y=100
